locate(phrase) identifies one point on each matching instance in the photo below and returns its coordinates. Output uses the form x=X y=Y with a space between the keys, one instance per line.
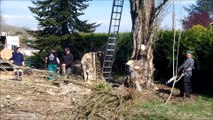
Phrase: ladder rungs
x=108 y=61
x=115 y=25
x=107 y=67
x=107 y=77
x=113 y=44
x=109 y=55
x=106 y=72
x=116 y=12
x=116 y=18
x=110 y=50
x=118 y=5
x=112 y=38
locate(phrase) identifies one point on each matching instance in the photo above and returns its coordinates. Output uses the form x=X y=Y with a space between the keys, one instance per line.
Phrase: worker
x=67 y=60
x=186 y=68
x=18 y=60
x=52 y=61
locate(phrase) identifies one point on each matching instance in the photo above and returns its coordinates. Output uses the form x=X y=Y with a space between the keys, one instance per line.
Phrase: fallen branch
x=104 y=104
x=30 y=83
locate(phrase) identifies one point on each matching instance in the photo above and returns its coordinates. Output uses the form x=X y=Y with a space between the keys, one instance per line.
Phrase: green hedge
x=197 y=39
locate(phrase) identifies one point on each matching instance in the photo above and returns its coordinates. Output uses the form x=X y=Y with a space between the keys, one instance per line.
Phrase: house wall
x=12 y=41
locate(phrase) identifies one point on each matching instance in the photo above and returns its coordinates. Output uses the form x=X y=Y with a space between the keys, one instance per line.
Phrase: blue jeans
x=52 y=70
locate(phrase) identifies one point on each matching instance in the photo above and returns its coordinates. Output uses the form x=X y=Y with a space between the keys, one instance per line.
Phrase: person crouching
x=18 y=60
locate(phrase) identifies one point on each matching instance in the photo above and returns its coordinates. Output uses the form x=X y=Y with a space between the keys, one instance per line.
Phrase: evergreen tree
x=202 y=6
x=59 y=22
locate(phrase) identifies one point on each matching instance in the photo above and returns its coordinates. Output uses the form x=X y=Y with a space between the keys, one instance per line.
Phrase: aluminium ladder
x=109 y=54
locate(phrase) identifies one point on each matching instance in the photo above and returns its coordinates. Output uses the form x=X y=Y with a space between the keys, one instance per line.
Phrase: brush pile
x=105 y=103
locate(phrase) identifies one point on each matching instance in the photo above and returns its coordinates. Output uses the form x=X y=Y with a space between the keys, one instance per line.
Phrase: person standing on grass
x=67 y=61
x=53 y=61
x=18 y=60
x=186 y=68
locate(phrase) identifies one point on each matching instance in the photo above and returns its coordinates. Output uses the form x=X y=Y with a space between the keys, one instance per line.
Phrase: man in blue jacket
x=18 y=60
x=186 y=68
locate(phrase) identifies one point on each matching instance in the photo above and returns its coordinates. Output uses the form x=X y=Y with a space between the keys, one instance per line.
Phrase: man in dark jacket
x=18 y=60
x=186 y=68
x=67 y=61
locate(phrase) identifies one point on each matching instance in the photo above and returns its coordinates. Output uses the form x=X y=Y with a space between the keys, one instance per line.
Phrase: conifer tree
x=59 y=22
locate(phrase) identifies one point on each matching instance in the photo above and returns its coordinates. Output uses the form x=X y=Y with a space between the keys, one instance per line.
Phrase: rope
x=173 y=85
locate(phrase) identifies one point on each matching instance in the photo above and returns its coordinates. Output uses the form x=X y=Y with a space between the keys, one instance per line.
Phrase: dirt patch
x=36 y=98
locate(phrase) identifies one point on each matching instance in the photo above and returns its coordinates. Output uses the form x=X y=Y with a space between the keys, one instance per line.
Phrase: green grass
x=199 y=109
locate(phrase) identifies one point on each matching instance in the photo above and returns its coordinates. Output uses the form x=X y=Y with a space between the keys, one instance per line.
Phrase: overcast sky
x=16 y=13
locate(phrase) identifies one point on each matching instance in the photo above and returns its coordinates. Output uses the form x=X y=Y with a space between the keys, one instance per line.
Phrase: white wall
x=12 y=41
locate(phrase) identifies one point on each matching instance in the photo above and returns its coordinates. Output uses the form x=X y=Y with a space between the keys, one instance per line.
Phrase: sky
x=16 y=13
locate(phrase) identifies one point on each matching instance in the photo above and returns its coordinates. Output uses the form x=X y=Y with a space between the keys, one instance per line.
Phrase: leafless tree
x=145 y=16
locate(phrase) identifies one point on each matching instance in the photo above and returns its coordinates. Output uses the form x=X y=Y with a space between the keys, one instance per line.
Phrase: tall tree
x=200 y=13
x=145 y=16
x=202 y=5
x=197 y=18
x=59 y=22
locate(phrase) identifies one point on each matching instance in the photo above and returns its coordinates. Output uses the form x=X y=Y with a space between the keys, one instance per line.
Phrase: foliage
x=197 y=39
x=200 y=40
x=60 y=23
x=93 y=42
x=202 y=5
x=123 y=53
x=197 y=18
x=36 y=61
x=201 y=13
x=102 y=85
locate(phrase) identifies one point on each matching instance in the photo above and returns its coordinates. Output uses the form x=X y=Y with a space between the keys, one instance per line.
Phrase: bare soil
x=36 y=98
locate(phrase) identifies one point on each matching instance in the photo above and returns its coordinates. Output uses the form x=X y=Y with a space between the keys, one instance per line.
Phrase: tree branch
x=161 y=5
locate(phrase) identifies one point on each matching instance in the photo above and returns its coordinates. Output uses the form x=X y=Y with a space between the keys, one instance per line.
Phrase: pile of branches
x=105 y=105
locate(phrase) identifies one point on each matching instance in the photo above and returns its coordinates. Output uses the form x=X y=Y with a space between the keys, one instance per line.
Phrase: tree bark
x=145 y=22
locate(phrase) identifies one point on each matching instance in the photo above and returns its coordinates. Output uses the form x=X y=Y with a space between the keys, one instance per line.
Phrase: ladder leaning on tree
x=109 y=54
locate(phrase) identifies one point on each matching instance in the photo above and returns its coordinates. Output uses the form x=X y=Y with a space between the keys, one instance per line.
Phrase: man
x=186 y=68
x=18 y=60
x=67 y=61
x=52 y=60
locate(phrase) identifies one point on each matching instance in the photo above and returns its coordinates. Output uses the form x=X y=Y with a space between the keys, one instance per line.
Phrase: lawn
x=200 y=108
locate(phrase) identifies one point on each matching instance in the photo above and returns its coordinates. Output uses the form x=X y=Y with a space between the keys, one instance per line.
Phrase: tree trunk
x=145 y=21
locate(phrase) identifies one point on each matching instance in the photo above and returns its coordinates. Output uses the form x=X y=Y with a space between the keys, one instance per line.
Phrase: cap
x=188 y=52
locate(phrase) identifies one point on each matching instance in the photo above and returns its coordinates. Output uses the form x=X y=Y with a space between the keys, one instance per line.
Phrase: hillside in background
x=13 y=30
